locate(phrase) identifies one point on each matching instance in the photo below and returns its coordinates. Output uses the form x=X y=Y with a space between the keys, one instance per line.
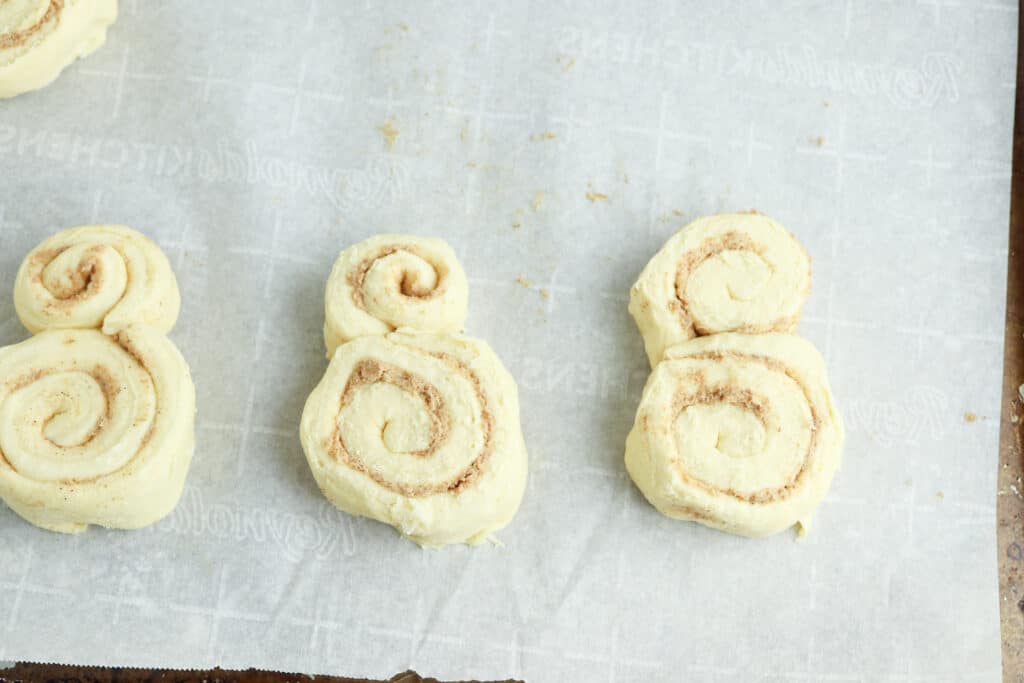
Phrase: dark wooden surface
x=1010 y=494
x=52 y=673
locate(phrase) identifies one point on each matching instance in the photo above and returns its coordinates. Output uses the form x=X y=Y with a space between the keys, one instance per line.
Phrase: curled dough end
x=104 y=277
x=39 y=38
x=389 y=282
x=94 y=429
x=419 y=431
x=737 y=432
x=726 y=273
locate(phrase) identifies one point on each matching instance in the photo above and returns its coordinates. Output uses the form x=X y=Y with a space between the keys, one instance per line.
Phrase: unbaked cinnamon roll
x=39 y=38
x=105 y=277
x=737 y=432
x=94 y=429
x=392 y=281
x=738 y=272
x=419 y=431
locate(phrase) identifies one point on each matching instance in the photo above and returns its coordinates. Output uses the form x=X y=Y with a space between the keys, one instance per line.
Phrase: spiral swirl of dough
x=726 y=273
x=737 y=432
x=420 y=431
x=39 y=38
x=391 y=281
x=96 y=276
x=94 y=429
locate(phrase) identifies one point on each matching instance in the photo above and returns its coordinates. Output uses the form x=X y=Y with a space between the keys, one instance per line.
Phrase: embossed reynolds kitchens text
x=925 y=84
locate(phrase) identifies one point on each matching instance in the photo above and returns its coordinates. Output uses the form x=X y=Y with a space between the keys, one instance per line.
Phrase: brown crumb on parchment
x=517 y=222
x=523 y=282
x=390 y=133
x=970 y=417
x=538 y=201
x=818 y=141
x=940 y=495
x=544 y=293
x=595 y=197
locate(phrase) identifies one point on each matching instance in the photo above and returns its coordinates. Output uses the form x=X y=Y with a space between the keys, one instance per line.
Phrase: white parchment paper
x=561 y=143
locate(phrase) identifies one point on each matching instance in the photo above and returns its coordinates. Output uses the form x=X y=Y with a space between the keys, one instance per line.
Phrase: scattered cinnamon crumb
x=544 y=293
x=819 y=141
x=390 y=133
x=567 y=62
x=940 y=495
x=678 y=213
x=518 y=222
x=522 y=281
x=751 y=212
x=472 y=164
x=546 y=135
x=970 y=417
x=596 y=196
x=404 y=27
x=827 y=104
x=538 y=201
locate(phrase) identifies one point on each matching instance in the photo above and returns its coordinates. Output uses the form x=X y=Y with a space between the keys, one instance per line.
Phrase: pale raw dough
x=420 y=431
x=39 y=38
x=740 y=272
x=737 y=432
x=392 y=281
x=94 y=429
x=96 y=276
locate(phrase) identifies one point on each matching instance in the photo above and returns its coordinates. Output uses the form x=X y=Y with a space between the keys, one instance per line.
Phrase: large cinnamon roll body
x=39 y=38
x=94 y=429
x=737 y=432
x=391 y=281
x=738 y=272
x=420 y=431
x=96 y=276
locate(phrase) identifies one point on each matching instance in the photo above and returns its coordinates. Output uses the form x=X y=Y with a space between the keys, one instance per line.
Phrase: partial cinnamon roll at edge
x=39 y=38
x=94 y=429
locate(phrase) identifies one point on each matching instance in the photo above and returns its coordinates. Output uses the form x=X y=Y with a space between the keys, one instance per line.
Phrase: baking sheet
x=559 y=144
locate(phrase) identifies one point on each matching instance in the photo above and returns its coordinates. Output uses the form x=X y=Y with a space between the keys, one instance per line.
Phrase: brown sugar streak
x=16 y=38
x=358 y=276
x=691 y=260
x=86 y=279
x=369 y=371
x=746 y=399
x=109 y=387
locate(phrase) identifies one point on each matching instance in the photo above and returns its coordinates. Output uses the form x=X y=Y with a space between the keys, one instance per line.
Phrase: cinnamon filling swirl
x=16 y=38
x=371 y=371
x=759 y=406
